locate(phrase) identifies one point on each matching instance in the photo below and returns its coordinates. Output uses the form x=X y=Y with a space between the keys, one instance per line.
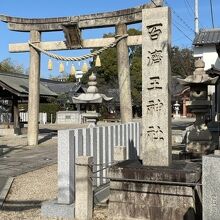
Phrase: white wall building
x=207 y=46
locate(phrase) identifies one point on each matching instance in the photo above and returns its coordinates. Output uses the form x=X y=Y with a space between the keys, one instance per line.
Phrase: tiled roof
x=62 y=87
x=18 y=84
x=204 y=37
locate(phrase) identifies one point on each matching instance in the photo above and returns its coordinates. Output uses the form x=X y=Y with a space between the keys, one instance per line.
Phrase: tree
x=182 y=61
x=9 y=67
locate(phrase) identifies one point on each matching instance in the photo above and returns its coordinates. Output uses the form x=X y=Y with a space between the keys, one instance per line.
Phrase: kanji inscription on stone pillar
x=156 y=74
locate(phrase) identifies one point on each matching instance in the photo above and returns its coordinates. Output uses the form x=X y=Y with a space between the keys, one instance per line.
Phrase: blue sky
x=182 y=20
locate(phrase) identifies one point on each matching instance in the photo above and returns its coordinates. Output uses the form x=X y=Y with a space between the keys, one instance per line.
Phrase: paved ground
x=18 y=158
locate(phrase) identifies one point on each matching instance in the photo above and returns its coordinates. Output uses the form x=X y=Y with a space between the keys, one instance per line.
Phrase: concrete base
x=54 y=209
x=154 y=193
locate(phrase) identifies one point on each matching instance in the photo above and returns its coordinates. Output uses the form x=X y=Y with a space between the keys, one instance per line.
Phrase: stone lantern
x=199 y=141
x=176 y=109
x=92 y=98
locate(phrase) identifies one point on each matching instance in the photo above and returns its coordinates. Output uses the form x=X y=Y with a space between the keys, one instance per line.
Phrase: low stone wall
x=68 y=117
x=6 y=131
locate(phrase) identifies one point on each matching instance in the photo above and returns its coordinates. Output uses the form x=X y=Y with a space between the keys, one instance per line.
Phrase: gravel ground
x=29 y=190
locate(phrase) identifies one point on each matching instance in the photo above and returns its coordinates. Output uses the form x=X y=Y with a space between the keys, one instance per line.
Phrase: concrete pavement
x=17 y=158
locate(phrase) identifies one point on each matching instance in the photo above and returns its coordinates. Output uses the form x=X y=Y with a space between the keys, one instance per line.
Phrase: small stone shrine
x=199 y=138
x=92 y=98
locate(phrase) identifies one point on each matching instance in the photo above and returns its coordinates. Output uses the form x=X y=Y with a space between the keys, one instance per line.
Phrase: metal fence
x=98 y=142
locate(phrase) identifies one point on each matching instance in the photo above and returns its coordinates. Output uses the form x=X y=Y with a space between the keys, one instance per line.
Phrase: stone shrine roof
x=92 y=95
x=91 y=98
x=199 y=76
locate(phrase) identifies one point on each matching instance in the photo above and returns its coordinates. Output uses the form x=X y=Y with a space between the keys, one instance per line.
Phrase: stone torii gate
x=72 y=27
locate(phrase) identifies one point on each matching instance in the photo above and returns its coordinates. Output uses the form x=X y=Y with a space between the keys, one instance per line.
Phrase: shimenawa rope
x=84 y=57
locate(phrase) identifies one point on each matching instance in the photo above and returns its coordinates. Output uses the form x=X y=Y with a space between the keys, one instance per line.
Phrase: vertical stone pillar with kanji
x=156 y=76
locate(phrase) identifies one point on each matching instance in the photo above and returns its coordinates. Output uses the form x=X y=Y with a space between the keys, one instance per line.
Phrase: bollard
x=84 y=193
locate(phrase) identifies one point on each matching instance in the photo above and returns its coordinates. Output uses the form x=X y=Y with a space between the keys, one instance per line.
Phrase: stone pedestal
x=155 y=193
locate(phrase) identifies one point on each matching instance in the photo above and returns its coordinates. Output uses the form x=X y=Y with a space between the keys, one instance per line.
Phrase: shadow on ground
x=46 y=138
x=13 y=205
x=4 y=150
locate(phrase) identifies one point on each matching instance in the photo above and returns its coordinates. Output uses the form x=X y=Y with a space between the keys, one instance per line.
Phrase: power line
x=188 y=6
x=186 y=25
x=182 y=32
x=212 y=14
x=154 y=3
x=182 y=26
x=187 y=2
x=180 y=18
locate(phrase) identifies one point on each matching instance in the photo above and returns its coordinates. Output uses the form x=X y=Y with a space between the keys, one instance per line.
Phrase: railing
x=98 y=142
x=42 y=117
x=5 y=117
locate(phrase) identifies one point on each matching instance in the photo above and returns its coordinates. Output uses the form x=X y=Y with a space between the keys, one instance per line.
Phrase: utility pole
x=196 y=16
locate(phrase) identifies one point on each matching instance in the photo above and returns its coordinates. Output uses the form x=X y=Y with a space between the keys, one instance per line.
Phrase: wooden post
x=16 y=116
x=124 y=75
x=184 y=106
x=34 y=90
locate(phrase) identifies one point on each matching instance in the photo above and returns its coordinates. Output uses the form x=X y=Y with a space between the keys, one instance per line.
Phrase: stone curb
x=5 y=190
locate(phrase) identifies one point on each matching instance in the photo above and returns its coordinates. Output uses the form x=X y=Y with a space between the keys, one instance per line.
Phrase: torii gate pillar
x=124 y=75
x=34 y=90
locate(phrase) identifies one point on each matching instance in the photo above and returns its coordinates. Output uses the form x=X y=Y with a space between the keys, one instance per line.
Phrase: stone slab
x=211 y=190
x=54 y=209
x=178 y=171
x=66 y=170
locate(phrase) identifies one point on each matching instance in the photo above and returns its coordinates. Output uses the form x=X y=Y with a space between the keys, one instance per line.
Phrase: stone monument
x=156 y=108
x=155 y=187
